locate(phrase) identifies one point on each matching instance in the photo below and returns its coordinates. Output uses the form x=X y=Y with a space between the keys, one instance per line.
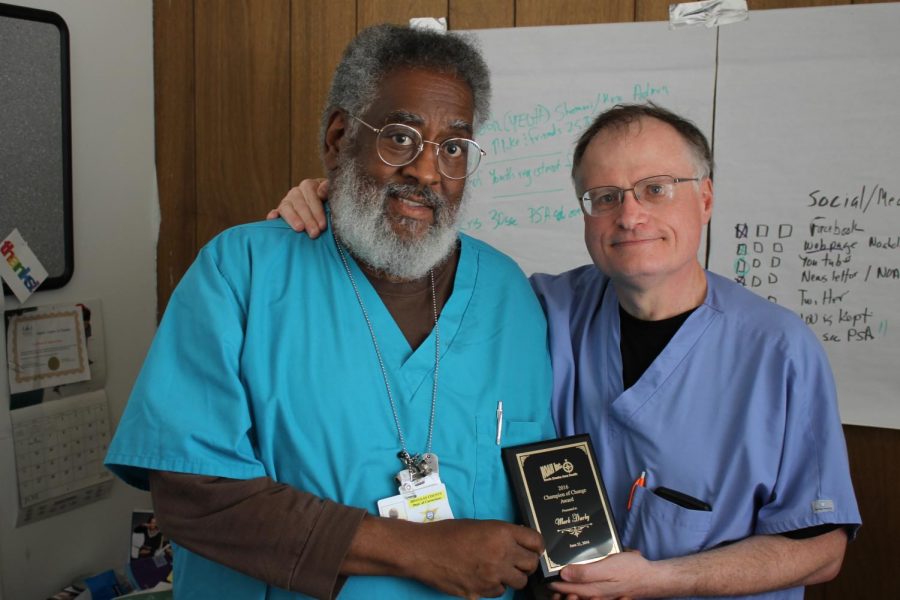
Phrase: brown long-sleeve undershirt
x=268 y=530
x=271 y=531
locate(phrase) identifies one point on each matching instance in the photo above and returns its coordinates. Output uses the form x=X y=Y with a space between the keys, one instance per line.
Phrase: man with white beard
x=289 y=375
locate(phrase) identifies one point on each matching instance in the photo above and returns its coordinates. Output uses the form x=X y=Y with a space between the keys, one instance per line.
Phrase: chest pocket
x=661 y=529
x=493 y=494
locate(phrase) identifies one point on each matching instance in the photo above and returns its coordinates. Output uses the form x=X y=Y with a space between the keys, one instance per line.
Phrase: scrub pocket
x=661 y=529
x=493 y=494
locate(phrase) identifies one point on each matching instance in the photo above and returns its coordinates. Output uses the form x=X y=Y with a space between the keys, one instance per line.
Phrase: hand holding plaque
x=561 y=495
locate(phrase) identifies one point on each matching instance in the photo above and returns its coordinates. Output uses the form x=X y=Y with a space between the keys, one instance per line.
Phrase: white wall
x=115 y=225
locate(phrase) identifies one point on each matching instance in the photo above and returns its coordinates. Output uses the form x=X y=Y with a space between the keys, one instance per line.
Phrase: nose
x=631 y=212
x=424 y=168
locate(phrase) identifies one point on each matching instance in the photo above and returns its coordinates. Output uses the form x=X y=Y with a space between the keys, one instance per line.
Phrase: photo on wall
x=150 y=560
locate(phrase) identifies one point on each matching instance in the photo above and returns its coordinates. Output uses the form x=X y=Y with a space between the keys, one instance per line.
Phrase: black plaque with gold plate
x=561 y=495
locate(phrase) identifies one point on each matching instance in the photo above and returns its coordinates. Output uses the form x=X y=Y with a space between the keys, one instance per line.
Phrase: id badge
x=426 y=503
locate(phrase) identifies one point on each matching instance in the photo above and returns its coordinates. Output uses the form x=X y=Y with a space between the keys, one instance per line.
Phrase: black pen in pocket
x=681 y=499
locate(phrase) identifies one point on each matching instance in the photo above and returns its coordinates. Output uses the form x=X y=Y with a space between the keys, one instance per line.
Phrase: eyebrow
x=408 y=118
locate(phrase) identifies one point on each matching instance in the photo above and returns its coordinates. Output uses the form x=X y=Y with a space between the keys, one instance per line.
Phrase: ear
x=706 y=199
x=334 y=135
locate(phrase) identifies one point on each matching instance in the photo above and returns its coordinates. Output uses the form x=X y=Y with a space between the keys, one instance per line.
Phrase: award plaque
x=561 y=495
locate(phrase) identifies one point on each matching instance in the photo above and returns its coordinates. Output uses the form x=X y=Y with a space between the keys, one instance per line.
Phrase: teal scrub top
x=263 y=366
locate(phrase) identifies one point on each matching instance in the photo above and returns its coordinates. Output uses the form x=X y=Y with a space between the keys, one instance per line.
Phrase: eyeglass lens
x=650 y=192
x=399 y=145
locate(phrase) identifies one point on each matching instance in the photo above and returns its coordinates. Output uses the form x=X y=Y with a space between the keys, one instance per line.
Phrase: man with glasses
x=712 y=411
x=296 y=388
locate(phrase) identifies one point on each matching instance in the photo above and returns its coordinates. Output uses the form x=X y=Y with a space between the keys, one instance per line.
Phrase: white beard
x=360 y=221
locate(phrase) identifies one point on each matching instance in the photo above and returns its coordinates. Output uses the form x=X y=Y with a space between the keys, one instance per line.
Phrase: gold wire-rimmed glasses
x=398 y=145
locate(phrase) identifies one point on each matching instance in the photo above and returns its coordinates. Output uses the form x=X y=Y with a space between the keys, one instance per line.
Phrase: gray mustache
x=432 y=199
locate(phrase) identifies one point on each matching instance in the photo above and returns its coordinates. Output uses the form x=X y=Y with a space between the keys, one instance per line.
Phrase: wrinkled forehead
x=421 y=97
x=625 y=152
x=618 y=133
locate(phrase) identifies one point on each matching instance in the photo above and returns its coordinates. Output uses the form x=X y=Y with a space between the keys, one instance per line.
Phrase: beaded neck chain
x=412 y=462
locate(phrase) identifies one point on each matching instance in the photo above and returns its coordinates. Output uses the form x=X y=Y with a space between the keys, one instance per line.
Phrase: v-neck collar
x=413 y=304
x=628 y=402
x=409 y=367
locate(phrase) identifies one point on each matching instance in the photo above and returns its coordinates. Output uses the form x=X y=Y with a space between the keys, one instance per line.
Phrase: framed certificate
x=561 y=495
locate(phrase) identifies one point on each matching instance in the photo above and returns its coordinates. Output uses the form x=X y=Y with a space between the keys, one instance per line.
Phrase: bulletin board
x=35 y=137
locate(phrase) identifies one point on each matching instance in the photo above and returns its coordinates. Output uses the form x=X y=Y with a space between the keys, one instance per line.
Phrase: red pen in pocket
x=639 y=482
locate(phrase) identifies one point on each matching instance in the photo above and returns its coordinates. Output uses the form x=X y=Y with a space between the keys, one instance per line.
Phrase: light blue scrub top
x=738 y=410
x=263 y=365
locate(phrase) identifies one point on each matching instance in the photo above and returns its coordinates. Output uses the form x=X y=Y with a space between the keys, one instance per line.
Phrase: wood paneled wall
x=240 y=86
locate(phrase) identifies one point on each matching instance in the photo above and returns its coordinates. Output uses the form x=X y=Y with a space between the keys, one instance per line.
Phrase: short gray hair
x=622 y=115
x=378 y=50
